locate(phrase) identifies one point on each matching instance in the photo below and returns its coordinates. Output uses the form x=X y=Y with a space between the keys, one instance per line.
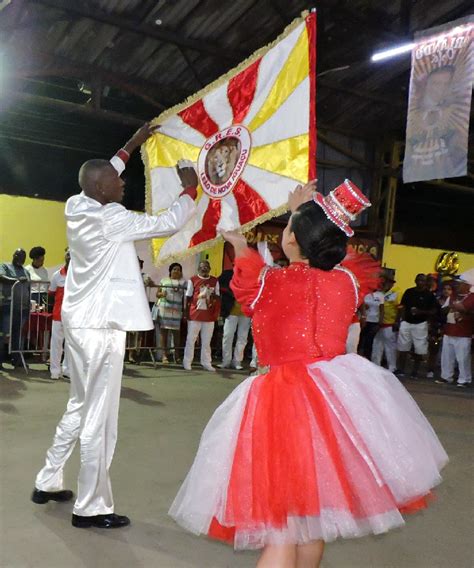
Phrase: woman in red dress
x=325 y=444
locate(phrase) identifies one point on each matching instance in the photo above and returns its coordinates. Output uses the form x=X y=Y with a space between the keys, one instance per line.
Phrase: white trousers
x=95 y=359
x=456 y=350
x=206 y=328
x=385 y=340
x=254 y=361
x=241 y=324
x=57 y=340
x=353 y=335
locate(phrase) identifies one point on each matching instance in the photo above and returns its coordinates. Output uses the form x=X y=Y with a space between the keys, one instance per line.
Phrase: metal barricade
x=30 y=324
x=29 y=321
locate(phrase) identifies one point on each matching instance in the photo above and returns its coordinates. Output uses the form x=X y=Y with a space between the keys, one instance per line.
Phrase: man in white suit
x=104 y=298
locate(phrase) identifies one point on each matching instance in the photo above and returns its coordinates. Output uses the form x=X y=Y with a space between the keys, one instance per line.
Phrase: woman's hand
x=301 y=194
x=236 y=239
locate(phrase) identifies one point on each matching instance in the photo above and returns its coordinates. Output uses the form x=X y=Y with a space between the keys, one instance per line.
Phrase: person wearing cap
x=385 y=340
x=458 y=332
x=418 y=305
x=323 y=444
x=104 y=298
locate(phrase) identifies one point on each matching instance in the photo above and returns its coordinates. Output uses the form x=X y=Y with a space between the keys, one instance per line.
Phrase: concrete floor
x=162 y=415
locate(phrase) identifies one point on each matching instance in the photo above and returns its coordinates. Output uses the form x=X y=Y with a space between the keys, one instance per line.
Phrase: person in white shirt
x=372 y=316
x=56 y=293
x=38 y=274
x=104 y=298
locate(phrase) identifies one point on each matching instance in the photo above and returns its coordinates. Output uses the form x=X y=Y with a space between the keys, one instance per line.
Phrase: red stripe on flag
x=249 y=203
x=209 y=223
x=241 y=91
x=197 y=117
x=311 y=31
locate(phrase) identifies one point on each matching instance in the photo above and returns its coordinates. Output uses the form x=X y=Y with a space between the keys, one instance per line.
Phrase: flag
x=251 y=136
x=439 y=105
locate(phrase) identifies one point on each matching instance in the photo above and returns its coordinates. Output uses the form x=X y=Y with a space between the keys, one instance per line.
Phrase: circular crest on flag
x=222 y=160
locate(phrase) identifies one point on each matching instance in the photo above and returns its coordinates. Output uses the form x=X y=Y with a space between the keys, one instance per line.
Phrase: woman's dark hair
x=319 y=239
x=36 y=252
x=173 y=265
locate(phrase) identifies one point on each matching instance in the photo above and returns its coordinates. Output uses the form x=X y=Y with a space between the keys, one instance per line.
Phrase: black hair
x=319 y=239
x=36 y=252
x=173 y=265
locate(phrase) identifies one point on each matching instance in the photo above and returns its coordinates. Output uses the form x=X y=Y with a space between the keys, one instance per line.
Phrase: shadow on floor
x=139 y=397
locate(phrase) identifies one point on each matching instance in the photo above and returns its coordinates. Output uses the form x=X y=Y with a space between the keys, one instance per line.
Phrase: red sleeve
x=246 y=281
x=366 y=270
x=468 y=303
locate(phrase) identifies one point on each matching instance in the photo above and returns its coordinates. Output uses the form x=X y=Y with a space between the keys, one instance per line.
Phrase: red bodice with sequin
x=301 y=314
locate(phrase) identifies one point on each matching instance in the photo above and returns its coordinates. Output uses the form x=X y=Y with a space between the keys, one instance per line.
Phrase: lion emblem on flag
x=222 y=159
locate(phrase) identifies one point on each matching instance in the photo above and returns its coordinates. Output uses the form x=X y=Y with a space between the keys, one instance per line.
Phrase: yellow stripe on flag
x=292 y=73
x=287 y=157
x=164 y=151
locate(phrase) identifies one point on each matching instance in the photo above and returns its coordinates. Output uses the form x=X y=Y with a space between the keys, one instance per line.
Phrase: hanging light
x=387 y=53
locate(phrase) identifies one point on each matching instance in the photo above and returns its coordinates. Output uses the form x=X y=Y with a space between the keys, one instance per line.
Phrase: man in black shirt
x=418 y=305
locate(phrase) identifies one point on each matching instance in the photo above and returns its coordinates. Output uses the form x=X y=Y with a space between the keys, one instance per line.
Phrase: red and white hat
x=343 y=204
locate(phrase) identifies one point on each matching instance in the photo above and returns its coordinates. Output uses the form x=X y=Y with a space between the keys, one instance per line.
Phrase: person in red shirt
x=202 y=301
x=458 y=332
x=56 y=291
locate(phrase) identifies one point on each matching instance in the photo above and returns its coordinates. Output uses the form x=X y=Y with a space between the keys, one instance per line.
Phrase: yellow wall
x=409 y=261
x=27 y=222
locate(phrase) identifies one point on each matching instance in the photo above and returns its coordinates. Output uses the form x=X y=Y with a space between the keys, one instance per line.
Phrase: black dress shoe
x=42 y=497
x=110 y=521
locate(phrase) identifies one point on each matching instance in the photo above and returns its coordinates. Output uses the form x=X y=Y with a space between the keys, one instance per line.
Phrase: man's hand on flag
x=188 y=177
x=301 y=194
x=140 y=137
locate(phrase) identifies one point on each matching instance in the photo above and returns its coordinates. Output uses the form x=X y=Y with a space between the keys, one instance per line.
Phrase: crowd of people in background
x=432 y=321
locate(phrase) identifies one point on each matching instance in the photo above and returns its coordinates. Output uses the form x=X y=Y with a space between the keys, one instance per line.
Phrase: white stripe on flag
x=273 y=188
x=179 y=242
x=165 y=187
x=176 y=128
x=229 y=214
x=290 y=119
x=218 y=107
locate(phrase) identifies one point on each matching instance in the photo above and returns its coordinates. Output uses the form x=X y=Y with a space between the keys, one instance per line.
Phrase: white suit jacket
x=104 y=288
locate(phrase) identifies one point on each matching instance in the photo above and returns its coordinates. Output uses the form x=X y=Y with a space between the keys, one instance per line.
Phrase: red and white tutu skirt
x=332 y=449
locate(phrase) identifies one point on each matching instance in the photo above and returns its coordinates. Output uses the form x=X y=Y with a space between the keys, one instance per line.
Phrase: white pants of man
x=385 y=340
x=206 y=328
x=57 y=340
x=95 y=359
x=415 y=334
x=353 y=335
x=241 y=324
x=456 y=350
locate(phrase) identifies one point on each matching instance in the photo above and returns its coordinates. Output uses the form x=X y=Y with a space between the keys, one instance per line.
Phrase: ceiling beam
x=334 y=86
x=74 y=108
x=156 y=32
x=42 y=63
x=344 y=151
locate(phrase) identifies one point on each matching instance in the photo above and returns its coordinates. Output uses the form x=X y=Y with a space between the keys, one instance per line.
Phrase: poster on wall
x=251 y=137
x=442 y=73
